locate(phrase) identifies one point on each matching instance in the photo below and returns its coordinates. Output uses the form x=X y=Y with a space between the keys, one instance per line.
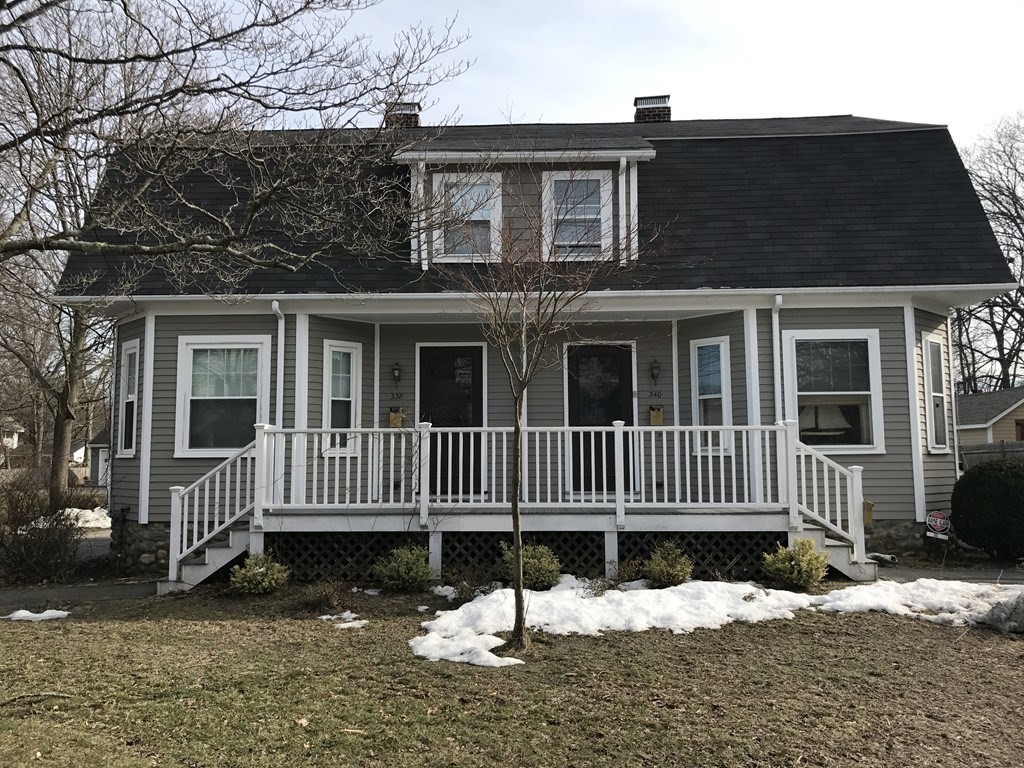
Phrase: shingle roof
x=985 y=406
x=776 y=203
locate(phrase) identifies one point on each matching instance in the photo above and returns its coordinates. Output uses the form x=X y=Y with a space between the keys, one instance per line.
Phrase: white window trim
x=123 y=397
x=726 y=364
x=186 y=345
x=356 y=350
x=548 y=210
x=933 y=445
x=494 y=179
x=789 y=340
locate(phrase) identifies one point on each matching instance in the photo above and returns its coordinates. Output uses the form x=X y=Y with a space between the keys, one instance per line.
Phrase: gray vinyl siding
x=939 y=468
x=323 y=329
x=167 y=471
x=766 y=361
x=888 y=477
x=124 y=472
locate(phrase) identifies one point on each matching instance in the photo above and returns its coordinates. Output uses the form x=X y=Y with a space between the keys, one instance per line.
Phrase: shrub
x=988 y=508
x=667 y=566
x=35 y=545
x=541 y=569
x=406 y=569
x=796 y=567
x=258 y=575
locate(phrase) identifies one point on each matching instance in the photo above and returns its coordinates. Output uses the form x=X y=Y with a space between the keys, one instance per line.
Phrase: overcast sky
x=955 y=63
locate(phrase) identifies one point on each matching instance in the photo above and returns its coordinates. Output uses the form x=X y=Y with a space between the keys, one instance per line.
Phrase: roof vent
x=652 y=109
x=403 y=114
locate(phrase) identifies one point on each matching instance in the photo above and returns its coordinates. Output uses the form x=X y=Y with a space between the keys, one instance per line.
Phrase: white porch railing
x=435 y=470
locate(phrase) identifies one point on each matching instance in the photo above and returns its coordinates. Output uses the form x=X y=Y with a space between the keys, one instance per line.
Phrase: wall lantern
x=396 y=372
x=655 y=371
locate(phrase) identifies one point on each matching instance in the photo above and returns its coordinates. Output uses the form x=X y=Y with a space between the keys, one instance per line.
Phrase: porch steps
x=205 y=562
x=840 y=554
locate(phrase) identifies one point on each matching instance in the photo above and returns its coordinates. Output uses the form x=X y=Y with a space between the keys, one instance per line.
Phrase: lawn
x=211 y=680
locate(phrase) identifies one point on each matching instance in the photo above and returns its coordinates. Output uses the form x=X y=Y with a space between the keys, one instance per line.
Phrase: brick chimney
x=403 y=114
x=652 y=109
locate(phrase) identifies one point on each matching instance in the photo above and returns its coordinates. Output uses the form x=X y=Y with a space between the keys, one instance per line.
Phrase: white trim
x=262 y=343
x=725 y=372
x=779 y=413
x=556 y=156
x=494 y=222
x=376 y=375
x=621 y=177
x=956 y=435
x=634 y=213
x=301 y=370
x=548 y=179
x=483 y=365
x=753 y=372
x=928 y=338
x=676 y=419
x=355 y=349
x=417 y=172
x=596 y=343
x=145 y=450
x=124 y=397
x=789 y=339
x=914 y=390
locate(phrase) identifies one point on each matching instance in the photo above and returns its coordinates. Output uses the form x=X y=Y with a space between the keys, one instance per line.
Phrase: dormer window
x=578 y=215
x=470 y=216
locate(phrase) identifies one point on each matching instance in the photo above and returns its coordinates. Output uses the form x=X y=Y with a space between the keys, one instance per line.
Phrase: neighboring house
x=804 y=275
x=991 y=417
x=10 y=434
x=99 y=458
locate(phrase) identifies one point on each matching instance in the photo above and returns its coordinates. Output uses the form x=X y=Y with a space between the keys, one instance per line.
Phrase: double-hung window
x=578 y=215
x=710 y=388
x=223 y=392
x=935 y=392
x=469 y=215
x=834 y=389
x=128 y=399
x=342 y=375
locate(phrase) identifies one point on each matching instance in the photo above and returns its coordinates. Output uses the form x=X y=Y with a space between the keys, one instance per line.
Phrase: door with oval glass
x=452 y=395
x=600 y=391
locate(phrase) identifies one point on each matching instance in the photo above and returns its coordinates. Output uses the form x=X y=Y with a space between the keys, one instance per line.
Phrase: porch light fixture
x=655 y=371
x=396 y=372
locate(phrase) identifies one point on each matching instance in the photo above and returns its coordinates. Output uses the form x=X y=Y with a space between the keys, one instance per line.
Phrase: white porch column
x=611 y=554
x=174 y=543
x=435 y=543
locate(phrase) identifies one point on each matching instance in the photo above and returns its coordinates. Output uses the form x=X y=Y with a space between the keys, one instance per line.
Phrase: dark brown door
x=452 y=395
x=600 y=392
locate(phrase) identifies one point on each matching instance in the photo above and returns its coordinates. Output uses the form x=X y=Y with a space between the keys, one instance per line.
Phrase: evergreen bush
x=988 y=508
x=667 y=566
x=406 y=569
x=541 y=569
x=796 y=567
x=259 y=575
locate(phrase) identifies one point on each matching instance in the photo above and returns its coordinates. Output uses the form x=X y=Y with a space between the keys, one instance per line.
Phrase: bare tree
x=531 y=287
x=989 y=337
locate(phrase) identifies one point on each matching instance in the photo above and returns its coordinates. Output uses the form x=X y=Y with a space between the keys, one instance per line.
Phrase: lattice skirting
x=733 y=555
x=313 y=556
x=350 y=556
x=579 y=552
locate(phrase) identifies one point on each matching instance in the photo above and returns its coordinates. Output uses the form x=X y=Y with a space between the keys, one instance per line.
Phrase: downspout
x=777 y=357
x=275 y=307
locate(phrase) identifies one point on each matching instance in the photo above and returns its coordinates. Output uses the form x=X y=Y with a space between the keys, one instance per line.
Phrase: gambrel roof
x=813 y=202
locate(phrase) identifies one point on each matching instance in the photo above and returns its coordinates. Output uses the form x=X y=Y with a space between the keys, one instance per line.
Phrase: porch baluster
x=620 y=476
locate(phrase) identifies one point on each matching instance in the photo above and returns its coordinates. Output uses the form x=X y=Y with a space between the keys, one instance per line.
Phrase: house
x=780 y=356
x=10 y=436
x=990 y=417
x=99 y=458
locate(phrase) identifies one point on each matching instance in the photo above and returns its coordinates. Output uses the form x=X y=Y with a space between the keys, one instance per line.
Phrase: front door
x=600 y=391
x=452 y=395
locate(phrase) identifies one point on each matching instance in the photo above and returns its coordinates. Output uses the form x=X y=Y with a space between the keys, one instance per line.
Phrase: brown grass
x=211 y=680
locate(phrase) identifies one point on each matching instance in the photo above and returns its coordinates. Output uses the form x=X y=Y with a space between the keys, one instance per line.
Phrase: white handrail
x=830 y=496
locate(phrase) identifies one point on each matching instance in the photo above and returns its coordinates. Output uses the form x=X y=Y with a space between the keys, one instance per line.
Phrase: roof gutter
x=542 y=155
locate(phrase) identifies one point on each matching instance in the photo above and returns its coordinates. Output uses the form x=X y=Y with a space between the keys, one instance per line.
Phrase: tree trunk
x=64 y=412
x=520 y=639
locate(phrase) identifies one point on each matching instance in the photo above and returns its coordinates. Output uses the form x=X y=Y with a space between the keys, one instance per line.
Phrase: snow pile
x=29 y=616
x=346 y=620
x=90 y=518
x=448 y=593
x=467 y=634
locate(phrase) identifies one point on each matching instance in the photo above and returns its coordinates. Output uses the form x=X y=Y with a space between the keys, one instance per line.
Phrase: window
x=223 y=391
x=128 y=398
x=578 y=215
x=342 y=376
x=935 y=390
x=710 y=387
x=834 y=389
x=470 y=209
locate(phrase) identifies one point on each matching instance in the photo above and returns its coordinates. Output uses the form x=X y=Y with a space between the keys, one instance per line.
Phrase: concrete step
x=207 y=561
x=839 y=554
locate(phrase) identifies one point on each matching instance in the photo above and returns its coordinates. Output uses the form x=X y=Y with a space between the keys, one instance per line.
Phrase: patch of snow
x=352 y=624
x=446 y=592
x=467 y=634
x=29 y=616
x=91 y=518
x=346 y=616
x=372 y=592
x=422 y=608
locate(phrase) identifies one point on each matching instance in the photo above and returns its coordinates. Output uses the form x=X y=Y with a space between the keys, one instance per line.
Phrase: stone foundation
x=895 y=537
x=139 y=549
